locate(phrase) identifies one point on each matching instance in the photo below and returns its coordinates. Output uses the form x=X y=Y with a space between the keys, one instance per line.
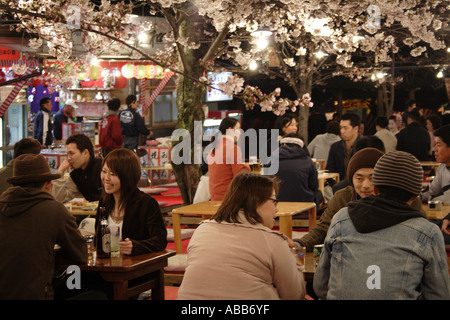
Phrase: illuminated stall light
x=83 y=73
x=140 y=71
x=128 y=71
x=159 y=72
x=151 y=71
x=96 y=72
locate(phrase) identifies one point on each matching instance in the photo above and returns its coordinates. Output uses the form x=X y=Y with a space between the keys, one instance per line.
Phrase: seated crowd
x=371 y=221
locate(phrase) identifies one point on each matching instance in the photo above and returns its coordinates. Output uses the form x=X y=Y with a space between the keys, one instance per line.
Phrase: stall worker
x=63 y=116
x=132 y=124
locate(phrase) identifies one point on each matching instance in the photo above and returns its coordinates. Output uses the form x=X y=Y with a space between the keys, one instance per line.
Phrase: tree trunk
x=380 y=103
x=388 y=98
x=189 y=104
x=305 y=87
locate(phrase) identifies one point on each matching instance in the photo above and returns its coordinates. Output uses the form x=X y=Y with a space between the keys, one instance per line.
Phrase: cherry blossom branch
x=174 y=25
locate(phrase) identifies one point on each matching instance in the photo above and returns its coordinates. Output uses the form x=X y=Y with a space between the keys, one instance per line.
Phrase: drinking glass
x=115 y=241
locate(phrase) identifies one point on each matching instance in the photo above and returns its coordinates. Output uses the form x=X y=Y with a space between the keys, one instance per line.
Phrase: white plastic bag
x=202 y=193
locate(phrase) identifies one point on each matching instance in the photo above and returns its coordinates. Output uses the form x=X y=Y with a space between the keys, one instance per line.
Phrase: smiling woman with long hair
x=236 y=255
x=137 y=213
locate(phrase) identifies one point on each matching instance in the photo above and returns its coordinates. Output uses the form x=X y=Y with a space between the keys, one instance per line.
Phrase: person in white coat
x=319 y=147
x=388 y=138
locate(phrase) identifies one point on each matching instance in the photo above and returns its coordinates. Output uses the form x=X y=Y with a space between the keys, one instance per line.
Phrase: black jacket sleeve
x=57 y=126
x=38 y=126
x=140 y=124
x=144 y=225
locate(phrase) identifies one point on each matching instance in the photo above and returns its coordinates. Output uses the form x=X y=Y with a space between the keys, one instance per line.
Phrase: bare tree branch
x=31 y=75
x=175 y=25
x=213 y=49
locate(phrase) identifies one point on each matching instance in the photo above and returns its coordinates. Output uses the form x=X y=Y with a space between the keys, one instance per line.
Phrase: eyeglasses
x=275 y=201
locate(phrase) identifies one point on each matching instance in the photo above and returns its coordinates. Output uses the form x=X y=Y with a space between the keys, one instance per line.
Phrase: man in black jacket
x=341 y=151
x=43 y=123
x=414 y=139
x=132 y=124
x=84 y=180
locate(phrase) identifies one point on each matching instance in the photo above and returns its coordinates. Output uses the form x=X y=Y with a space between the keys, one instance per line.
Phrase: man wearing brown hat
x=31 y=223
x=379 y=247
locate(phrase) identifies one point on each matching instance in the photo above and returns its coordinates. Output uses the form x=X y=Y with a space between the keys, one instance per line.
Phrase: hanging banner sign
x=355 y=103
x=12 y=95
x=142 y=93
x=9 y=63
x=9 y=54
x=157 y=90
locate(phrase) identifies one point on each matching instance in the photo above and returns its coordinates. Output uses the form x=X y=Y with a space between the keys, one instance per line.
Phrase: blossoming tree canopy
x=204 y=32
x=341 y=28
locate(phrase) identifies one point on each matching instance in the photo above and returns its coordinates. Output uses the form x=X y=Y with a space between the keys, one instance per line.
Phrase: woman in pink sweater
x=225 y=160
x=236 y=255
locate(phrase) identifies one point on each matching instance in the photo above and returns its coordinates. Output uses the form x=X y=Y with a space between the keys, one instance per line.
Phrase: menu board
x=157 y=157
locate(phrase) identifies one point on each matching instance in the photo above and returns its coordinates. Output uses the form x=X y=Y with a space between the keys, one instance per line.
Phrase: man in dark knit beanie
x=380 y=247
x=359 y=174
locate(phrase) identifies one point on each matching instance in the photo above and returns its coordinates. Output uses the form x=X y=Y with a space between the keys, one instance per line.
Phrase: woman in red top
x=110 y=130
x=225 y=160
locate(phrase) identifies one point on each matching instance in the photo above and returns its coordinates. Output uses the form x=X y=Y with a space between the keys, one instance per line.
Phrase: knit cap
x=364 y=158
x=399 y=169
x=292 y=140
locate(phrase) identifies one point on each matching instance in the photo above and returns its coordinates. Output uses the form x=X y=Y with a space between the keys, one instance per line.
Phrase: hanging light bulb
x=142 y=37
x=262 y=35
x=262 y=43
x=320 y=54
x=440 y=74
x=301 y=51
x=253 y=65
